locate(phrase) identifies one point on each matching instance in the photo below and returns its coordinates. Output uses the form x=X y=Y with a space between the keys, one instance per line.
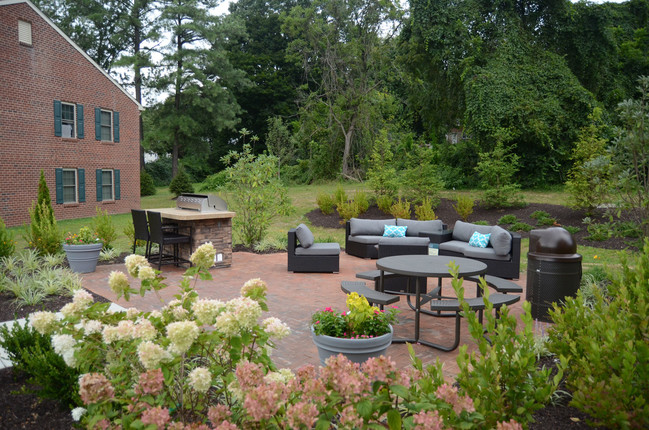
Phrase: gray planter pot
x=356 y=350
x=83 y=258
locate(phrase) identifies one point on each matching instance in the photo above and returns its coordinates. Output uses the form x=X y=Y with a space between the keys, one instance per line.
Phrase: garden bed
x=564 y=216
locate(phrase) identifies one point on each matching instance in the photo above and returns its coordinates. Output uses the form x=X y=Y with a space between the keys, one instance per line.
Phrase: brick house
x=63 y=114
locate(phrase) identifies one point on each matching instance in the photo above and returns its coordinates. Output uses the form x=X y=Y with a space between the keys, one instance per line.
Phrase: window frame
x=75 y=186
x=109 y=126
x=66 y=122
x=111 y=185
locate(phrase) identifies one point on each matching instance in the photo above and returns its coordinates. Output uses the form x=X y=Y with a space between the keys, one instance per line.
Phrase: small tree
x=421 y=179
x=280 y=142
x=7 y=243
x=104 y=227
x=381 y=175
x=630 y=156
x=496 y=170
x=42 y=233
x=588 y=182
x=255 y=193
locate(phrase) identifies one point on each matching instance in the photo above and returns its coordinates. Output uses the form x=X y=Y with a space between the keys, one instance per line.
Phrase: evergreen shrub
x=464 y=206
x=326 y=203
x=348 y=210
x=362 y=200
x=181 y=184
x=147 y=187
x=215 y=182
x=424 y=211
x=384 y=203
x=401 y=209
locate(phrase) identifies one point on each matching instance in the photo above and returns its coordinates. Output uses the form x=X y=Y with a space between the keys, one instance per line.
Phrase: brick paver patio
x=294 y=297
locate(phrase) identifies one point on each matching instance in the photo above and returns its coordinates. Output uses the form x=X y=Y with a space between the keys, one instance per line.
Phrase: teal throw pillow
x=479 y=240
x=395 y=231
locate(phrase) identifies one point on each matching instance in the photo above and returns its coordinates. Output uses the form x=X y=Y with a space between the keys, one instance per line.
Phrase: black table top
x=435 y=266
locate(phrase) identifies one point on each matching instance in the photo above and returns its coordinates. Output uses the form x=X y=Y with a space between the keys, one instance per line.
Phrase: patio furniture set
x=408 y=252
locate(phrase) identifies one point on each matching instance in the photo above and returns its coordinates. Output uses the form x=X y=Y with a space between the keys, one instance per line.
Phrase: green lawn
x=304 y=200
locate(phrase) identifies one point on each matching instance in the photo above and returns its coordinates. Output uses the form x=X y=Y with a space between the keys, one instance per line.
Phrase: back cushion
x=304 y=235
x=369 y=227
x=501 y=240
x=464 y=230
x=415 y=227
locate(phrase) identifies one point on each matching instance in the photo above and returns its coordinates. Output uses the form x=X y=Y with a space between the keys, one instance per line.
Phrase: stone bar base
x=218 y=231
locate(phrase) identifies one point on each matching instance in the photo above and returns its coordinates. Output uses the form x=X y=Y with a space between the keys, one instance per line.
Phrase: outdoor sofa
x=364 y=237
x=502 y=255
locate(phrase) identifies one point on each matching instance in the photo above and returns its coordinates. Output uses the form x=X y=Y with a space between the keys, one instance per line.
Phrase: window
x=70 y=185
x=107 y=185
x=106 y=125
x=67 y=120
x=25 y=32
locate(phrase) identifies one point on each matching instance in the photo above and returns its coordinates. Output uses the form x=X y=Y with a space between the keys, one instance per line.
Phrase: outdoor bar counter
x=207 y=226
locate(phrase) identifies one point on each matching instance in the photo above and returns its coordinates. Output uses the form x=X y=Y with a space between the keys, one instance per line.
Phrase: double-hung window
x=108 y=185
x=68 y=120
x=70 y=185
x=106 y=125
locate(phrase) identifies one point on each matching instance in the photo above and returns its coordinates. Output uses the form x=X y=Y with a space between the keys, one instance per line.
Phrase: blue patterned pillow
x=479 y=240
x=395 y=231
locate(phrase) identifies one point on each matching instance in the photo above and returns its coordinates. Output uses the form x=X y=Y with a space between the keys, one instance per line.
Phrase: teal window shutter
x=59 y=185
x=117 y=191
x=81 y=175
x=57 y=118
x=98 y=171
x=116 y=126
x=80 y=133
x=97 y=123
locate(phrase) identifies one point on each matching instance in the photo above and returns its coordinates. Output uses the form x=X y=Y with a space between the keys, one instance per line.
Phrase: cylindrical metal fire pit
x=553 y=269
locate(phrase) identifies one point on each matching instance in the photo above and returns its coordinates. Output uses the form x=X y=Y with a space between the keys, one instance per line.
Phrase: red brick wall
x=31 y=78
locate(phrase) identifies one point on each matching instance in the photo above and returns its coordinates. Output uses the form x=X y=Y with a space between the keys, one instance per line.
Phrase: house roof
x=71 y=42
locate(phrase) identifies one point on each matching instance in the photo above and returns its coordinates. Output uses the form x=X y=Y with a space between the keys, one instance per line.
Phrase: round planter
x=356 y=350
x=83 y=258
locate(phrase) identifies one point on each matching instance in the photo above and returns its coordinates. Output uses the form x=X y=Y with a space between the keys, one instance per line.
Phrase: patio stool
x=498 y=284
x=371 y=295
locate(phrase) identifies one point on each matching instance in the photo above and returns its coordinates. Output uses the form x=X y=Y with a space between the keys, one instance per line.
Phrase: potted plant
x=363 y=331
x=82 y=250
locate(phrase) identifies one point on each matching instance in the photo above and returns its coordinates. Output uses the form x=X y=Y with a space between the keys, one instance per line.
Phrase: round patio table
x=426 y=266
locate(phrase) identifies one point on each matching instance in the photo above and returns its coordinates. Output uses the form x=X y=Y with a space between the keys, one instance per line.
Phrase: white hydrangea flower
x=64 y=345
x=276 y=328
x=246 y=310
x=253 y=284
x=207 y=310
x=282 y=376
x=90 y=326
x=118 y=282
x=77 y=413
x=82 y=298
x=182 y=334
x=43 y=322
x=151 y=355
x=132 y=313
x=146 y=272
x=71 y=309
x=227 y=324
x=204 y=256
x=144 y=329
x=133 y=263
x=200 y=379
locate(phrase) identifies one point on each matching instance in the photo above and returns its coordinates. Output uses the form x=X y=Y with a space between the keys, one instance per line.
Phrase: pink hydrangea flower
x=157 y=416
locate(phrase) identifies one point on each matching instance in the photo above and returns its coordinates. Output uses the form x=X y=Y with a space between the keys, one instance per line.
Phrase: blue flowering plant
x=361 y=321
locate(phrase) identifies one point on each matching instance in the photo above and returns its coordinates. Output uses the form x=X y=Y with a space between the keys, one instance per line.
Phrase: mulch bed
x=26 y=411
x=565 y=216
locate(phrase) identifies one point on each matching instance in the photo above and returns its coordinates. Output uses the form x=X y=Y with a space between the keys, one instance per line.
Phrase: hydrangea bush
x=205 y=364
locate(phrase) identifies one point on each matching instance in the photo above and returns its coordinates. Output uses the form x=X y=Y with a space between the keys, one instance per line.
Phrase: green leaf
x=364 y=409
x=394 y=419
